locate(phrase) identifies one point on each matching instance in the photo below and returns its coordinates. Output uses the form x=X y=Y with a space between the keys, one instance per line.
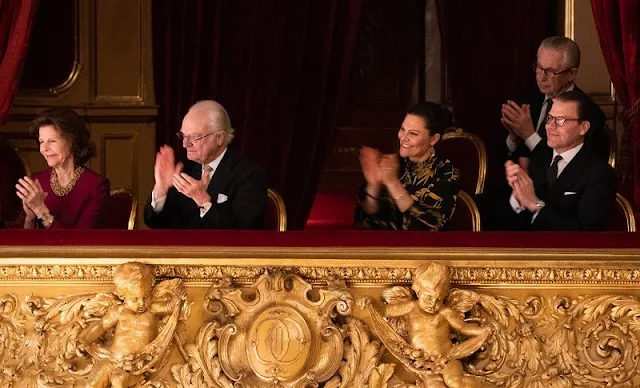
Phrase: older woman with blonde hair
x=416 y=191
x=66 y=194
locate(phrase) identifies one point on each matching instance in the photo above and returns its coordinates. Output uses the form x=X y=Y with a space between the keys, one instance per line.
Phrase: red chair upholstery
x=121 y=210
x=622 y=218
x=275 y=215
x=332 y=211
x=467 y=153
x=466 y=217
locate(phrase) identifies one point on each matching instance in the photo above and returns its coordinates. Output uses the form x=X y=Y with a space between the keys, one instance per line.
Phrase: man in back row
x=556 y=69
x=564 y=186
x=218 y=190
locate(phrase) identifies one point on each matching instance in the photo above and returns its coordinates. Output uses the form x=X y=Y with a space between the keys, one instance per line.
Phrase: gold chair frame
x=628 y=212
x=473 y=208
x=281 y=209
x=480 y=148
x=134 y=205
x=613 y=146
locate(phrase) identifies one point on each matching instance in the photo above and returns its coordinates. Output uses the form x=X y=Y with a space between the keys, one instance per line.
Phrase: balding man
x=556 y=69
x=218 y=189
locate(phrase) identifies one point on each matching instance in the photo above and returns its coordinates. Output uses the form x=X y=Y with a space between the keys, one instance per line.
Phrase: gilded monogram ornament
x=281 y=333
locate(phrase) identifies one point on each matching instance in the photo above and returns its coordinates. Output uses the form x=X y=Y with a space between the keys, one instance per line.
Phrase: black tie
x=546 y=108
x=552 y=172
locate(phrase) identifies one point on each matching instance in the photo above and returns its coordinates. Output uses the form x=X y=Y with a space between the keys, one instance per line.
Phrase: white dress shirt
x=567 y=157
x=158 y=203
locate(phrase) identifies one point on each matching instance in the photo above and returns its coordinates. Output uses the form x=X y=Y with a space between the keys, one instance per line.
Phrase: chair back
x=613 y=146
x=121 y=210
x=622 y=218
x=466 y=217
x=275 y=214
x=467 y=153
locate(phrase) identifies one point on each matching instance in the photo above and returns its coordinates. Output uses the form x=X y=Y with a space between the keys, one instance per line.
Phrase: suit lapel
x=222 y=175
x=571 y=172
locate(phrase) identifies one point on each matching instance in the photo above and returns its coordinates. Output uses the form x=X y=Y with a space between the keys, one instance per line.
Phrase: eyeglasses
x=549 y=73
x=560 y=121
x=191 y=138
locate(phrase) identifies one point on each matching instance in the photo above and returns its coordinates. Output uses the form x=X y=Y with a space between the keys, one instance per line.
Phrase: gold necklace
x=62 y=191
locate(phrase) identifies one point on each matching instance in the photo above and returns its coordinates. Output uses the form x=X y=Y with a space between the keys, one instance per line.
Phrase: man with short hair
x=564 y=186
x=218 y=189
x=556 y=68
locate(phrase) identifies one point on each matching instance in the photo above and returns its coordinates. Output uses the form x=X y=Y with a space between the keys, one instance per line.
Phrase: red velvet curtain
x=280 y=67
x=489 y=47
x=16 y=19
x=618 y=26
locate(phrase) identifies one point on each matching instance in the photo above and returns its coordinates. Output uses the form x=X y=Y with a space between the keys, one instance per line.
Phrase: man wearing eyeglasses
x=216 y=189
x=564 y=186
x=556 y=69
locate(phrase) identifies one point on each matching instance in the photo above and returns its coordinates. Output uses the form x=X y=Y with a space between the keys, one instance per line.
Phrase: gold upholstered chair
x=275 y=215
x=121 y=209
x=468 y=154
x=466 y=217
x=622 y=218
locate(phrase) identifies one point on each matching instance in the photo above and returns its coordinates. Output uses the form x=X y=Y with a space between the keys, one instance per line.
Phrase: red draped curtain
x=618 y=26
x=488 y=51
x=16 y=20
x=280 y=68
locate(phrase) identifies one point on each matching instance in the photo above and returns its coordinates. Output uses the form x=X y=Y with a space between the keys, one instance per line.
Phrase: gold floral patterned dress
x=433 y=184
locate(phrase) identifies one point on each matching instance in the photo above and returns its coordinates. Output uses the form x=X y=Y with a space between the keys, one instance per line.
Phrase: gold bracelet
x=47 y=219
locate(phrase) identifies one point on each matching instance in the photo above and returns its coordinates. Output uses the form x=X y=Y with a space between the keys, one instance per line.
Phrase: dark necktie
x=546 y=108
x=552 y=172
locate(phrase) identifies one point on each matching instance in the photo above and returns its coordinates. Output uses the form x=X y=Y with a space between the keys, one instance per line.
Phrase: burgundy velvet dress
x=83 y=207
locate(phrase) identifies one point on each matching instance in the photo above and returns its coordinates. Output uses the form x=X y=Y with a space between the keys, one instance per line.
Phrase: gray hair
x=566 y=45
x=216 y=117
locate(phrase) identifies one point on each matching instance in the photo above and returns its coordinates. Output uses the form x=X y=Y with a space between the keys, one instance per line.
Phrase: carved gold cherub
x=427 y=323
x=142 y=333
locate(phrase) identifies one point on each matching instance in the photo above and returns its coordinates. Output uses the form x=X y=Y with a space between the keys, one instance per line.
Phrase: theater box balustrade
x=330 y=309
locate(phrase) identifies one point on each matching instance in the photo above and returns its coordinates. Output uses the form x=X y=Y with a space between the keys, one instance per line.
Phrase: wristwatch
x=539 y=205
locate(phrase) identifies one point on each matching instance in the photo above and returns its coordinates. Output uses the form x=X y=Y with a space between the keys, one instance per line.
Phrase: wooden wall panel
x=119 y=52
x=110 y=86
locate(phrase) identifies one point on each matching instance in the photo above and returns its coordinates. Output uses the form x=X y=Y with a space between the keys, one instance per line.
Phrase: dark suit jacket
x=580 y=199
x=241 y=181
x=596 y=139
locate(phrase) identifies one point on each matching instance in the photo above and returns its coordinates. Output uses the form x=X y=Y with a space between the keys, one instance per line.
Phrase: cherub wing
x=462 y=301
x=397 y=294
x=392 y=340
x=168 y=297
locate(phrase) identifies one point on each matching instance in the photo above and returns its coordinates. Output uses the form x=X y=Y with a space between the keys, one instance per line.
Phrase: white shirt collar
x=567 y=156
x=216 y=162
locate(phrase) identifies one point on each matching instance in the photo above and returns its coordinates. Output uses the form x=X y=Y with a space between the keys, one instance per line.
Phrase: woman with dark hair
x=67 y=194
x=416 y=192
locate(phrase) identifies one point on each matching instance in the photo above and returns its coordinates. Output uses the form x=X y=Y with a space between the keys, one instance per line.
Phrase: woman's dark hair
x=72 y=127
x=437 y=117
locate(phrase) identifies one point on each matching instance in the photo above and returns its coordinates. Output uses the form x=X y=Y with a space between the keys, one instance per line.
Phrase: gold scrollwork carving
x=94 y=339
